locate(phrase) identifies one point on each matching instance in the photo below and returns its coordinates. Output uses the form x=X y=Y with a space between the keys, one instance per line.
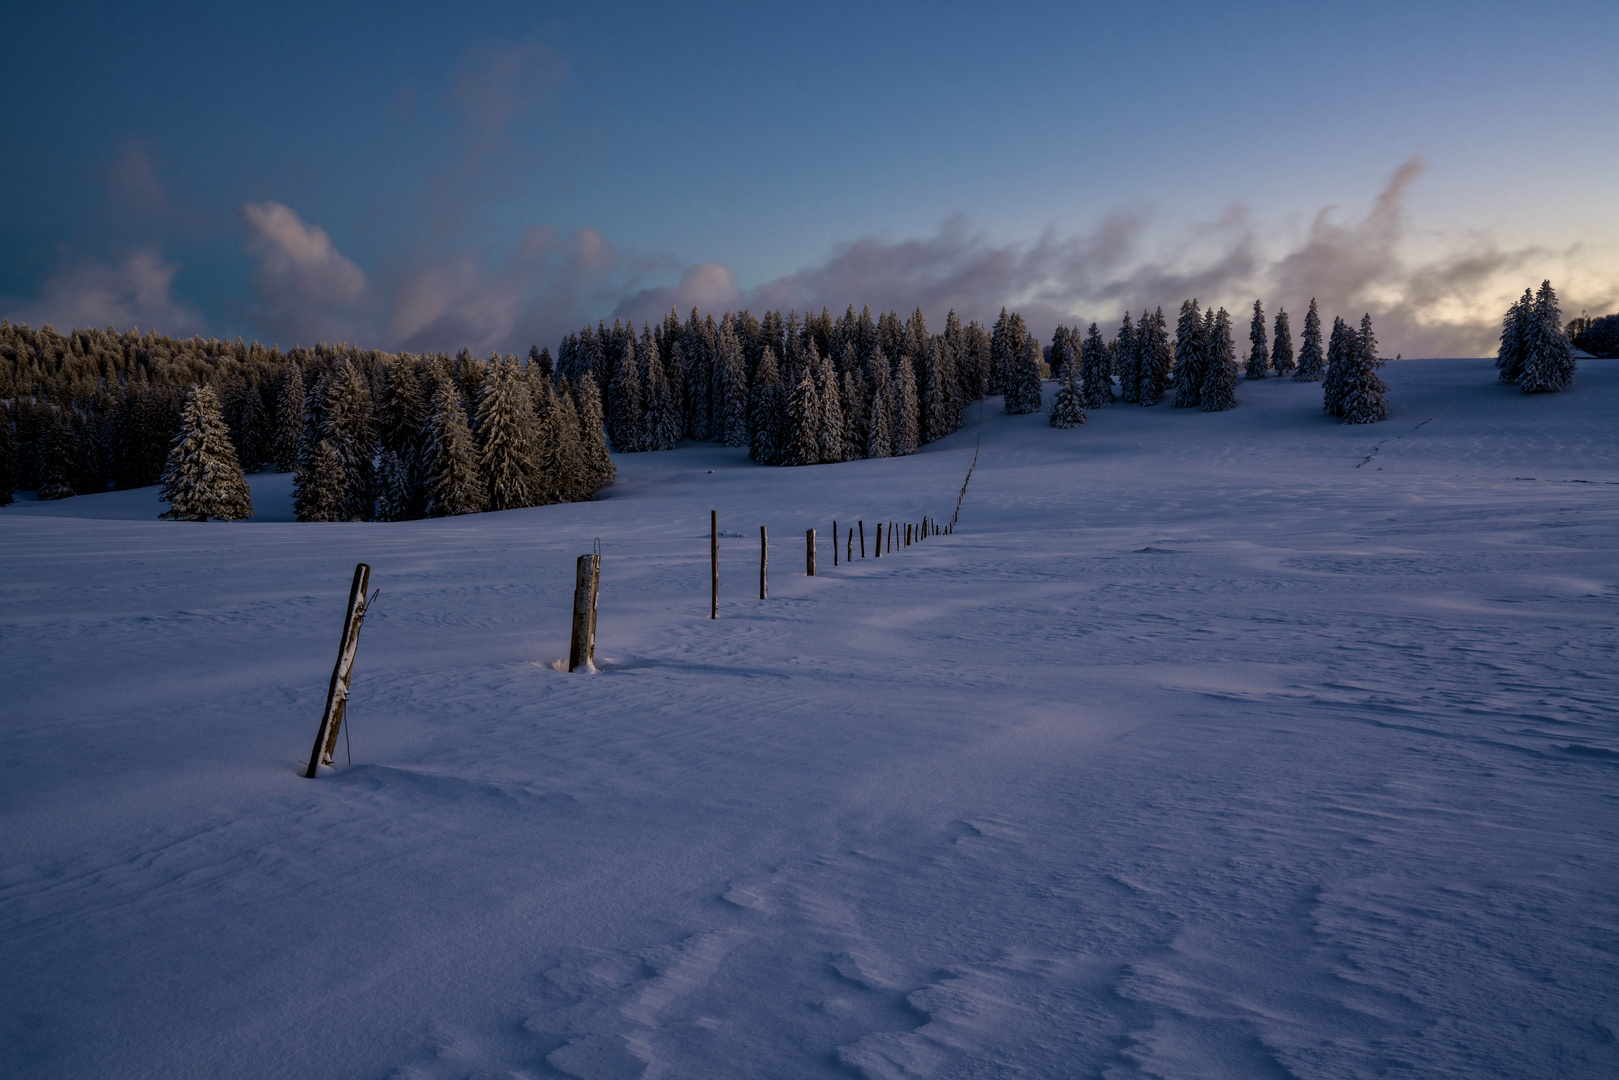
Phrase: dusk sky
x=492 y=175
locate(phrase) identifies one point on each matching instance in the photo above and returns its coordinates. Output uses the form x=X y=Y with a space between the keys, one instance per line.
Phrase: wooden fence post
x=879 y=540
x=714 y=563
x=834 y=541
x=337 y=691
x=586 y=592
x=862 y=538
x=809 y=552
x=764 y=560
x=848 y=555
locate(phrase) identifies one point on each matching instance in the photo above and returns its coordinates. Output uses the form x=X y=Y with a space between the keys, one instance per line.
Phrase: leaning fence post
x=848 y=554
x=586 y=590
x=714 y=563
x=764 y=560
x=337 y=691
x=809 y=552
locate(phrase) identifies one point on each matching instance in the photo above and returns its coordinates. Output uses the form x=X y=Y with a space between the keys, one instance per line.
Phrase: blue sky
x=422 y=176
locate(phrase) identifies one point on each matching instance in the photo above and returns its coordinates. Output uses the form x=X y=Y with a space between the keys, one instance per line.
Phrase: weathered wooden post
x=848 y=554
x=337 y=691
x=714 y=563
x=586 y=592
x=764 y=560
x=834 y=541
x=879 y=540
x=809 y=552
x=862 y=538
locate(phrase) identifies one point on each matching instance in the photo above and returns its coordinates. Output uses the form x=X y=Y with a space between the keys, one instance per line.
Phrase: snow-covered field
x=1239 y=745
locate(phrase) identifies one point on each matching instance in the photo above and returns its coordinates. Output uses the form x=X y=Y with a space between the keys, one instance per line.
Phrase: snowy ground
x=1240 y=745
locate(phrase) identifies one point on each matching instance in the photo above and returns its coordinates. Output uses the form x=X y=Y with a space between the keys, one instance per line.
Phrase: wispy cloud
x=305 y=288
x=136 y=291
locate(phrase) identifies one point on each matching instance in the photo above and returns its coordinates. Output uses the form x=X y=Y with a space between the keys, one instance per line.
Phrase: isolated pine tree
x=1258 y=366
x=1281 y=352
x=1219 y=390
x=765 y=412
x=317 y=487
x=1340 y=349
x=449 y=457
x=1068 y=403
x=1312 y=364
x=1548 y=362
x=202 y=479
x=289 y=418
x=505 y=438
x=1097 y=367
x=1362 y=389
x=1127 y=362
x=1022 y=394
x=1515 y=334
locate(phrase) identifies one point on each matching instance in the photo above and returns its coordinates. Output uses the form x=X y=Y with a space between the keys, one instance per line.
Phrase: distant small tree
x=1258 y=366
x=202 y=479
x=1220 y=380
x=1023 y=383
x=1311 y=362
x=1126 y=361
x=1340 y=350
x=1068 y=403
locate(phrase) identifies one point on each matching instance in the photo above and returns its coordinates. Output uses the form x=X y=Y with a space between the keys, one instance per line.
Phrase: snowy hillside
x=1212 y=744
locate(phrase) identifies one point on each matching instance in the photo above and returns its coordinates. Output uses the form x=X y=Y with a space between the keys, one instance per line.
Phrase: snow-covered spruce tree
x=973 y=361
x=1190 y=365
x=1000 y=355
x=453 y=483
x=596 y=461
x=403 y=415
x=568 y=471
x=828 y=387
x=394 y=487
x=1258 y=366
x=733 y=397
x=1126 y=361
x=317 y=487
x=802 y=427
x=879 y=411
x=1023 y=381
x=202 y=479
x=1068 y=403
x=555 y=459
x=853 y=398
x=1061 y=352
x=1362 y=389
x=662 y=422
x=1312 y=364
x=1157 y=357
x=1097 y=368
x=939 y=390
x=1514 y=348
x=506 y=437
x=626 y=414
x=289 y=418
x=1281 y=352
x=765 y=412
x=1548 y=362
x=345 y=412
x=907 y=428
x=1340 y=347
x=1220 y=380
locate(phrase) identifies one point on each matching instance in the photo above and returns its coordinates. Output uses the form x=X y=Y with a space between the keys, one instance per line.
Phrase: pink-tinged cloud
x=306 y=289
x=137 y=291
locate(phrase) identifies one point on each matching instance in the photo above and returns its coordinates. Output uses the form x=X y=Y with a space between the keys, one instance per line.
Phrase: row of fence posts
x=587 y=595
x=913 y=532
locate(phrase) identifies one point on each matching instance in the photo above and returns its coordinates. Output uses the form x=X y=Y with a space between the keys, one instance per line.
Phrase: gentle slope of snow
x=1237 y=744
